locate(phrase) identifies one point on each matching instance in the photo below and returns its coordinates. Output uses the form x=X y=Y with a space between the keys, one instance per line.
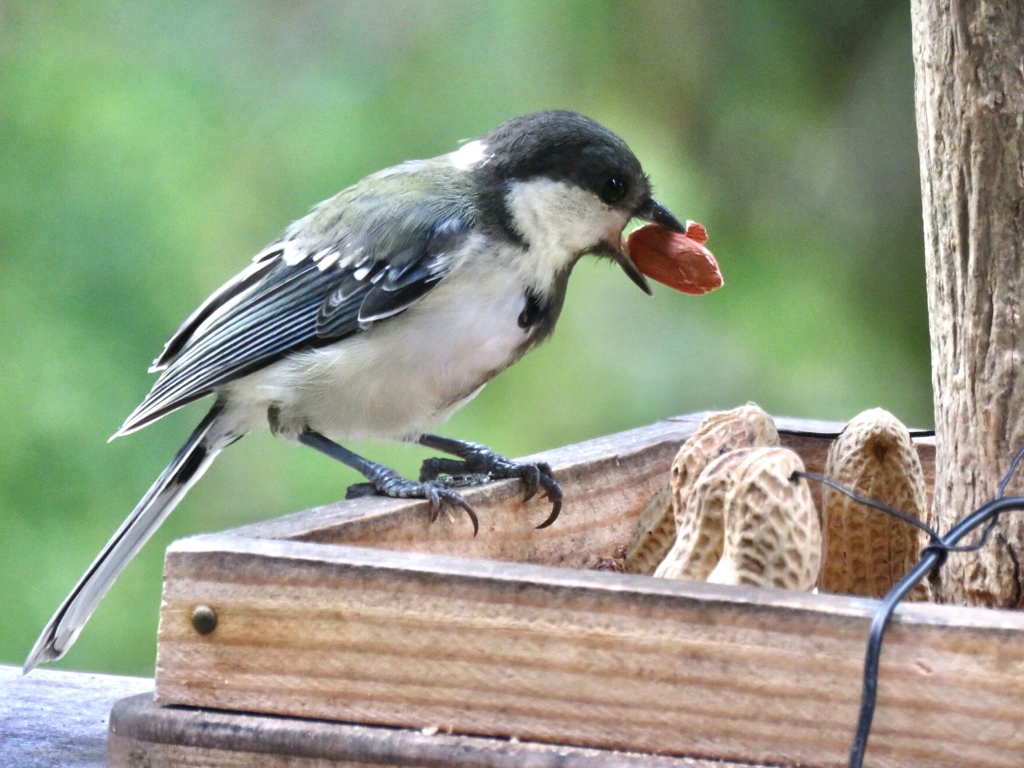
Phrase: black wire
x=982 y=540
x=869 y=691
x=823 y=434
x=1009 y=473
x=898 y=513
x=932 y=556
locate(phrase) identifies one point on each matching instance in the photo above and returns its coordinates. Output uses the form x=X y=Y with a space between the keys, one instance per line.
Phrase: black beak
x=656 y=213
x=632 y=272
x=617 y=255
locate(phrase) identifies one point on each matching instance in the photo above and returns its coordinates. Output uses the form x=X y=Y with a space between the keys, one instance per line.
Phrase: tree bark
x=969 y=63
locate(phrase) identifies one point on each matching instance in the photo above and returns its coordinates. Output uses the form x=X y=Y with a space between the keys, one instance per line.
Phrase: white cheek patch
x=560 y=220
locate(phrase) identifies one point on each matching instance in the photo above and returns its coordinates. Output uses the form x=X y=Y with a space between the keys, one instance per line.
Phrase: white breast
x=402 y=375
x=559 y=221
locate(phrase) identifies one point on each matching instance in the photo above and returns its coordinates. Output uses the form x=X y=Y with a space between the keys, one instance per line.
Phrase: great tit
x=385 y=309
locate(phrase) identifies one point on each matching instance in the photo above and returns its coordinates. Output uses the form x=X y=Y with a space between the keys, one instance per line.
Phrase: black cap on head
x=566 y=146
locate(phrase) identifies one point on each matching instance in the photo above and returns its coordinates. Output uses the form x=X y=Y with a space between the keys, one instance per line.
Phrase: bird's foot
x=478 y=463
x=439 y=493
x=387 y=482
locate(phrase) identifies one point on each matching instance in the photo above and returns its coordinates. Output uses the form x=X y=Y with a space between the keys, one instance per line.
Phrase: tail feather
x=188 y=465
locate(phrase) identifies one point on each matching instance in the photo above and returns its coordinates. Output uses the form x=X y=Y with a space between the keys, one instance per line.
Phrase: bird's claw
x=481 y=464
x=535 y=477
x=440 y=495
x=437 y=493
x=530 y=475
x=553 y=491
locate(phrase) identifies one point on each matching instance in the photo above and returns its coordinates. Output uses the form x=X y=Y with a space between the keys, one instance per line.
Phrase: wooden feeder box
x=361 y=634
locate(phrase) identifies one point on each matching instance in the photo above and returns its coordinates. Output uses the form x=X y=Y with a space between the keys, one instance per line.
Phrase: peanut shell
x=655 y=532
x=717 y=434
x=864 y=551
x=772 y=534
x=701 y=533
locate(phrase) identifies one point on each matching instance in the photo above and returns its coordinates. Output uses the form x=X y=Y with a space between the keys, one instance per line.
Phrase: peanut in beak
x=678 y=260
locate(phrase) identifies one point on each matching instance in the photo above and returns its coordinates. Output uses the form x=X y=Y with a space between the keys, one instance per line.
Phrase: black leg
x=476 y=458
x=388 y=482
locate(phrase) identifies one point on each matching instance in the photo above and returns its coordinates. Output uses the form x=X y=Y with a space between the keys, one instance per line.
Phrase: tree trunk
x=969 y=62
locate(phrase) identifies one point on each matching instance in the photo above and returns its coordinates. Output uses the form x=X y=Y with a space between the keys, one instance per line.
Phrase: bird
x=384 y=310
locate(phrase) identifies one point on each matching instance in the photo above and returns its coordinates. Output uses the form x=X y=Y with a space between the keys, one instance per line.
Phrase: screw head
x=204 y=619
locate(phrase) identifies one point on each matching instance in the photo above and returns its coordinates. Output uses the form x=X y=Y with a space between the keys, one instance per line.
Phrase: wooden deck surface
x=55 y=718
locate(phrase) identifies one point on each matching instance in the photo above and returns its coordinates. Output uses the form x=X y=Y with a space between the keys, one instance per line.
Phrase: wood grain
x=969 y=95
x=481 y=635
x=587 y=658
x=607 y=481
x=142 y=733
x=55 y=717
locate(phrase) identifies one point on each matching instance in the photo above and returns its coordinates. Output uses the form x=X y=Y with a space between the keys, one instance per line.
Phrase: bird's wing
x=349 y=264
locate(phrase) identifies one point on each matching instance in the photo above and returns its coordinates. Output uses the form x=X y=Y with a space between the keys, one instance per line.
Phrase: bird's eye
x=613 y=190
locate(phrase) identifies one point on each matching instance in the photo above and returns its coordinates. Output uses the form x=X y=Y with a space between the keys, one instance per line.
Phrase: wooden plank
x=589 y=658
x=142 y=733
x=607 y=482
x=52 y=717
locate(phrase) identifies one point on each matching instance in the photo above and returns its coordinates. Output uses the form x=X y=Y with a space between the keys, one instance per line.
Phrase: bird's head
x=563 y=186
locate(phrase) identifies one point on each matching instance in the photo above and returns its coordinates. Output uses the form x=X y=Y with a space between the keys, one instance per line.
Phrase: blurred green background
x=148 y=150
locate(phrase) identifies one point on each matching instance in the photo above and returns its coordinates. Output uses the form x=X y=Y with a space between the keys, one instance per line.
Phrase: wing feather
x=225 y=294
x=300 y=295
